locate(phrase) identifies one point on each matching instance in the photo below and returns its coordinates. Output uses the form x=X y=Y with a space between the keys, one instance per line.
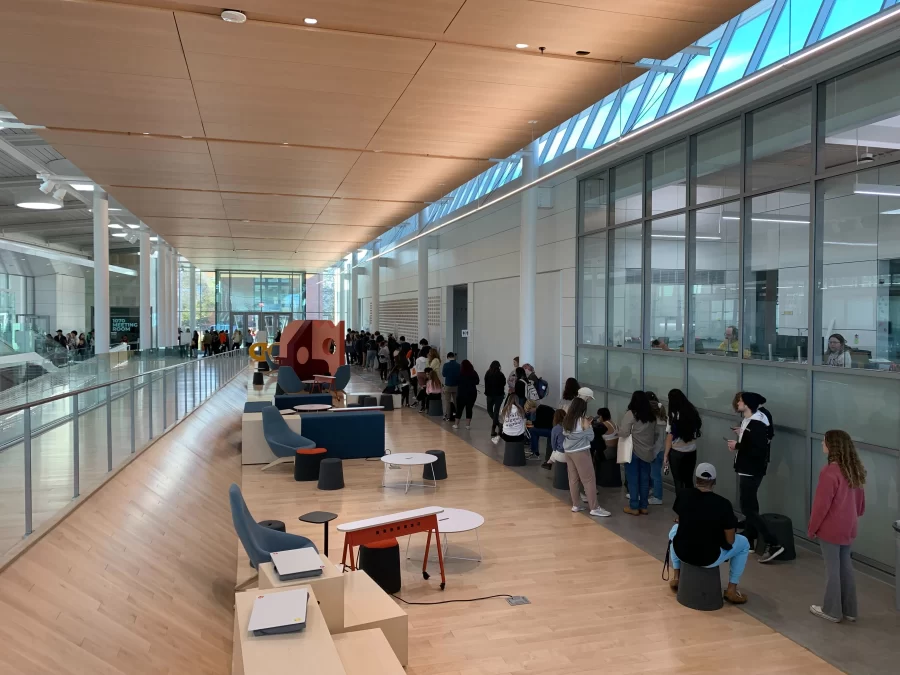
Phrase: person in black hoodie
x=494 y=392
x=751 y=460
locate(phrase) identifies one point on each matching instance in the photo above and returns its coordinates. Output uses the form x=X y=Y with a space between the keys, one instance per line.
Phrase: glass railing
x=59 y=446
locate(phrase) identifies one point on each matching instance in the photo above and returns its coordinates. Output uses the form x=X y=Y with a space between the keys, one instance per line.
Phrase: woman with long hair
x=466 y=392
x=512 y=421
x=494 y=392
x=838 y=354
x=839 y=502
x=570 y=391
x=433 y=388
x=639 y=423
x=662 y=419
x=681 y=439
x=578 y=432
x=402 y=366
x=434 y=360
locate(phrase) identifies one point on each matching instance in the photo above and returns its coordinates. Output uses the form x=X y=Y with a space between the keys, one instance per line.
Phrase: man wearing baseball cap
x=705 y=534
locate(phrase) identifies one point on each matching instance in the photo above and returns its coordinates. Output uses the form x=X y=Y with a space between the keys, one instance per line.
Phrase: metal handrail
x=58 y=397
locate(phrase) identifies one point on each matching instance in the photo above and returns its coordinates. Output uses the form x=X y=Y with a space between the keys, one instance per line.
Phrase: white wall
x=61 y=298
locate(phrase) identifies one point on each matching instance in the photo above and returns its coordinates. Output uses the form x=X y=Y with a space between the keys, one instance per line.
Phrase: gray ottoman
x=331 y=474
x=366 y=401
x=435 y=408
x=439 y=467
x=387 y=402
x=560 y=476
x=514 y=454
x=700 y=588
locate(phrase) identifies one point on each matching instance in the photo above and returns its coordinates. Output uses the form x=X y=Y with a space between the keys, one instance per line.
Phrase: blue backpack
x=542 y=388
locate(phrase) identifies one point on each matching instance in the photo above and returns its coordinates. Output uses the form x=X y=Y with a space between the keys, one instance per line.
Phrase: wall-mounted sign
x=465 y=332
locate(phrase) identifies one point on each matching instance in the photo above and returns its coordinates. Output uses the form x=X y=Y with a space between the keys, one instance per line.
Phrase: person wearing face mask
x=751 y=459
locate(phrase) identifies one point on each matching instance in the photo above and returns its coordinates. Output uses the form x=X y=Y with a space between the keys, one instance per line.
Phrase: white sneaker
x=495 y=440
x=600 y=512
x=456 y=426
x=576 y=509
x=817 y=611
x=468 y=426
x=584 y=498
x=627 y=495
x=655 y=501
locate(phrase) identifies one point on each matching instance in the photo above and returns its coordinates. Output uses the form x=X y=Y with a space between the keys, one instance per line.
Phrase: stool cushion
x=331 y=474
x=386 y=401
x=311 y=451
x=436 y=470
x=700 y=588
x=381 y=561
x=276 y=525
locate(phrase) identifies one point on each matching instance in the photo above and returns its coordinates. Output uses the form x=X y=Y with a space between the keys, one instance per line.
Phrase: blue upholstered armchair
x=288 y=382
x=283 y=442
x=260 y=542
x=341 y=378
x=272 y=365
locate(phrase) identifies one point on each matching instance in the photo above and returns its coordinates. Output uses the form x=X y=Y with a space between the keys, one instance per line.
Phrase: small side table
x=323 y=517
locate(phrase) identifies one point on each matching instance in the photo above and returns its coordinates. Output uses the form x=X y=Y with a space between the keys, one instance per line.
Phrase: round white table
x=314 y=386
x=409 y=460
x=312 y=407
x=454 y=521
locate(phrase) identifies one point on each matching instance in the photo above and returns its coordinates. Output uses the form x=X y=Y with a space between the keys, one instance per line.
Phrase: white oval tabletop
x=312 y=407
x=408 y=458
x=459 y=520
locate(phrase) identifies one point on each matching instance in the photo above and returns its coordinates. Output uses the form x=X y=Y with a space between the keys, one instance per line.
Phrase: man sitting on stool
x=705 y=533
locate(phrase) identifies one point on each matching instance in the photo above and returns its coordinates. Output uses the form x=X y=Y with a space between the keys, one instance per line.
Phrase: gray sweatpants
x=840 y=585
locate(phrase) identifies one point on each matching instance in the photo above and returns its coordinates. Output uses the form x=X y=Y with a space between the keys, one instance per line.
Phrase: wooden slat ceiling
x=274 y=144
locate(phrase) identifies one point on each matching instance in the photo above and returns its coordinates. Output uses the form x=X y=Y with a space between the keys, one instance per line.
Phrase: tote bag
x=623 y=452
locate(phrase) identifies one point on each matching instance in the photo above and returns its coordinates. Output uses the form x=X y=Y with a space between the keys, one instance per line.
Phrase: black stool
x=331 y=474
x=320 y=517
x=306 y=463
x=435 y=408
x=367 y=401
x=608 y=472
x=514 y=454
x=439 y=467
x=276 y=525
x=381 y=561
x=782 y=529
x=258 y=378
x=700 y=588
x=560 y=476
x=386 y=401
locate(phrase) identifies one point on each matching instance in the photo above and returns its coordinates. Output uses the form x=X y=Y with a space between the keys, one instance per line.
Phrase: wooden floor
x=598 y=604
x=140 y=578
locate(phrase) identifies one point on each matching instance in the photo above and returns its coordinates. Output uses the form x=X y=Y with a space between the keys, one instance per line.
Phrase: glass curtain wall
x=281 y=294
x=761 y=254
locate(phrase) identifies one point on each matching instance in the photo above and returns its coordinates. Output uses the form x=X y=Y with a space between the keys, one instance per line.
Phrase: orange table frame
x=401 y=528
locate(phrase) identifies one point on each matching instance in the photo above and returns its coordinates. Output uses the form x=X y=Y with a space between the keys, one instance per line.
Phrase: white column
x=422 y=282
x=192 y=308
x=374 y=281
x=101 y=272
x=162 y=294
x=176 y=296
x=354 y=292
x=338 y=283
x=528 y=258
x=144 y=274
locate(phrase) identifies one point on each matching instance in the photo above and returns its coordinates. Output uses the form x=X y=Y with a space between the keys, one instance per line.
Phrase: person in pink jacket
x=838 y=504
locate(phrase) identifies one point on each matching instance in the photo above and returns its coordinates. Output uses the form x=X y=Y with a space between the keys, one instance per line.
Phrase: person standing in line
x=237 y=339
x=434 y=360
x=466 y=391
x=656 y=485
x=513 y=377
x=450 y=373
x=578 y=432
x=424 y=348
x=839 y=502
x=421 y=378
x=570 y=391
x=681 y=439
x=520 y=387
x=494 y=391
x=432 y=389
x=384 y=358
x=371 y=354
x=195 y=343
x=751 y=460
x=403 y=371
x=639 y=422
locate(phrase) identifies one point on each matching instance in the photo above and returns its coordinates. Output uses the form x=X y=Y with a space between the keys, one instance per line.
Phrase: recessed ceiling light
x=119 y=234
x=39 y=206
x=154 y=238
x=233 y=16
x=145 y=133
x=521 y=45
x=133 y=226
x=310 y=21
x=83 y=187
x=115 y=226
x=284 y=143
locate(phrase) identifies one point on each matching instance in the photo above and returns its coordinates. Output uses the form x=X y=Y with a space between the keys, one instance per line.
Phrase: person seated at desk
x=838 y=353
x=705 y=533
x=659 y=344
x=731 y=344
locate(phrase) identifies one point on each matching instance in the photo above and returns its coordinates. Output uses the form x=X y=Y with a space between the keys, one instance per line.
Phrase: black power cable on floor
x=444 y=602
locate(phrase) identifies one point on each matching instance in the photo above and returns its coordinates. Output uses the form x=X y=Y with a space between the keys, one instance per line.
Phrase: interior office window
x=858 y=270
x=667 y=272
x=627 y=190
x=662 y=374
x=592 y=273
x=593 y=204
x=715 y=273
x=776 y=276
x=712 y=384
x=860 y=116
x=667 y=182
x=591 y=367
x=780 y=143
x=716 y=165
x=625 y=284
x=624 y=370
x=786 y=391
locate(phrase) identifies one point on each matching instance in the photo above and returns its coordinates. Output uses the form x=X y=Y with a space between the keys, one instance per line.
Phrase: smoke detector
x=233 y=16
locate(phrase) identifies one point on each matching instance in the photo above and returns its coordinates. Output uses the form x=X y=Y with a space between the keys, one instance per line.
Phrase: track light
x=47 y=186
x=59 y=194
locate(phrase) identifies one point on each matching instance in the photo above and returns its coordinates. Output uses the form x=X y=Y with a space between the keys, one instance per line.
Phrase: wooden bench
x=366 y=606
x=366 y=652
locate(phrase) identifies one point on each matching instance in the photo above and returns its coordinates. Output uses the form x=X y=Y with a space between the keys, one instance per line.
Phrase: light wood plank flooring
x=140 y=578
x=598 y=604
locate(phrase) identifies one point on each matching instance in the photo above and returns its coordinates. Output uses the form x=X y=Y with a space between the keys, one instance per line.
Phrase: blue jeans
x=638 y=473
x=656 y=475
x=740 y=551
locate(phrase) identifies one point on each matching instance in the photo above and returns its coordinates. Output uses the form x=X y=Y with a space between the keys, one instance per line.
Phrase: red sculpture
x=313 y=347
